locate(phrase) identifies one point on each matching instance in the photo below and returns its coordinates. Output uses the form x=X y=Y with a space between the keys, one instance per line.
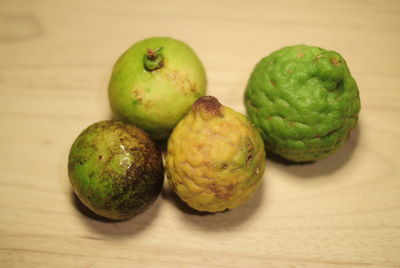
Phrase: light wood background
x=55 y=62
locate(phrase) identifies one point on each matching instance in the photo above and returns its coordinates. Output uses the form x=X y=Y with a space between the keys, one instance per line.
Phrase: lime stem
x=153 y=59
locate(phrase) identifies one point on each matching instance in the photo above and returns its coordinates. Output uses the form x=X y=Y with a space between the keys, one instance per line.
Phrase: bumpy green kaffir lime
x=216 y=158
x=304 y=100
x=115 y=169
x=154 y=83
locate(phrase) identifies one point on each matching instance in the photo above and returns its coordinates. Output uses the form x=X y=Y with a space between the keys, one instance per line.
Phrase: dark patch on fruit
x=335 y=62
x=250 y=152
x=208 y=104
x=220 y=193
x=193 y=87
x=138 y=95
x=127 y=194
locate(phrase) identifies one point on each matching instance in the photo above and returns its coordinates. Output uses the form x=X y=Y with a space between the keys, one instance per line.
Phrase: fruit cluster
x=302 y=103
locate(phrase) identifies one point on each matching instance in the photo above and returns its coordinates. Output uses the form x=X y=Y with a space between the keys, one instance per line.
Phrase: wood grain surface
x=55 y=63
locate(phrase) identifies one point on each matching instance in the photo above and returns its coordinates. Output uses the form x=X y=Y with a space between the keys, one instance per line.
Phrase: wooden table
x=56 y=59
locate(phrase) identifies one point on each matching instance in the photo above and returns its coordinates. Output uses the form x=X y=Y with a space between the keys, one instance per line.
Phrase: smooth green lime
x=154 y=84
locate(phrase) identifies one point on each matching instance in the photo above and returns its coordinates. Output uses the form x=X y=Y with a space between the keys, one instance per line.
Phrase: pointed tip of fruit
x=207 y=105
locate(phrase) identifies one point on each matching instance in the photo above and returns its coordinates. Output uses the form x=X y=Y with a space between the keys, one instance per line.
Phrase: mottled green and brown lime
x=304 y=100
x=154 y=84
x=215 y=158
x=115 y=169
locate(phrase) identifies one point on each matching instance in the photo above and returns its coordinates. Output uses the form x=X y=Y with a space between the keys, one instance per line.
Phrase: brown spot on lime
x=300 y=55
x=249 y=158
x=100 y=157
x=292 y=124
x=207 y=104
x=138 y=94
x=335 y=62
x=193 y=88
x=273 y=83
x=250 y=103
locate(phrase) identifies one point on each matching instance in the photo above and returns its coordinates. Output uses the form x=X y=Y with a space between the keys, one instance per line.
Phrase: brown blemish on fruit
x=335 y=62
x=181 y=80
x=250 y=152
x=250 y=103
x=292 y=124
x=300 y=55
x=193 y=87
x=138 y=94
x=220 y=192
x=273 y=83
x=207 y=104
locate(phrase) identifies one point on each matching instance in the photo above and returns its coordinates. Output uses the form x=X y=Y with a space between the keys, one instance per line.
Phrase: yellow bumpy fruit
x=215 y=158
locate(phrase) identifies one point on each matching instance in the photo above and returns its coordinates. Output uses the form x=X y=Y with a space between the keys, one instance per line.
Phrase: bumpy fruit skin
x=215 y=158
x=304 y=100
x=155 y=100
x=115 y=169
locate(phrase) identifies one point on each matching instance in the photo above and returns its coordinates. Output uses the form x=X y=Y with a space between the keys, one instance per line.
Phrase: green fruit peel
x=304 y=101
x=115 y=169
x=154 y=84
